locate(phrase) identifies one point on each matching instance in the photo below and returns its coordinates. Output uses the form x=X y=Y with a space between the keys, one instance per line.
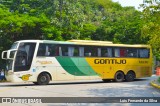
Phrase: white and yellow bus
x=40 y=61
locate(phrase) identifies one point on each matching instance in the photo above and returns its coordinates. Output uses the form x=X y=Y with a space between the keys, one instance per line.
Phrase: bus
x=42 y=61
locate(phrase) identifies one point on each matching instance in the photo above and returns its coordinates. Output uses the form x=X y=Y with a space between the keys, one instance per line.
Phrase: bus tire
x=130 y=76
x=119 y=76
x=43 y=79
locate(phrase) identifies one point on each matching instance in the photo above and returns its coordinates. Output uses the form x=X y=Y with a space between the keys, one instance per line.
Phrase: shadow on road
x=52 y=83
x=68 y=83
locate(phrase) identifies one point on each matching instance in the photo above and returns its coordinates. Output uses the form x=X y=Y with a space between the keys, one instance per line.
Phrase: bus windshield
x=24 y=56
x=9 y=61
x=9 y=64
x=14 y=46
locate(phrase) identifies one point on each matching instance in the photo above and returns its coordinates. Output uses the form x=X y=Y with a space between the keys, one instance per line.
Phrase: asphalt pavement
x=96 y=88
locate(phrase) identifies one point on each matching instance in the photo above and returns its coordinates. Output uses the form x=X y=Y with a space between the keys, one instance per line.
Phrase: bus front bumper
x=11 y=77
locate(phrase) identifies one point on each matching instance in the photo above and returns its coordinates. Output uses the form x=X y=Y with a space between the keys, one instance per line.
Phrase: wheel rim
x=119 y=76
x=130 y=76
x=43 y=79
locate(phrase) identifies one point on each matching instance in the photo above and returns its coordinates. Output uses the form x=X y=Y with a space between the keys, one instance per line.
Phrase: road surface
x=97 y=88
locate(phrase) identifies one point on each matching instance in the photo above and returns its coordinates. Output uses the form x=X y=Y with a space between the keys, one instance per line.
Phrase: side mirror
x=8 y=54
x=4 y=55
x=11 y=54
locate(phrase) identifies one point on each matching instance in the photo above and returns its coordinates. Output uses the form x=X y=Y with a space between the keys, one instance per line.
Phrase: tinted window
x=90 y=51
x=125 y=52
x=104 y=52
x=48 y=50
x=143 y=53
x=14 y=46
x=69 y=50
x=132 y=52
x=24 y=56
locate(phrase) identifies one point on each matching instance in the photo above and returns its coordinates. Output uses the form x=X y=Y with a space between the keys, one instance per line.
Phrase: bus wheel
x=43 y=79
x=119 y=76
x=130 y=76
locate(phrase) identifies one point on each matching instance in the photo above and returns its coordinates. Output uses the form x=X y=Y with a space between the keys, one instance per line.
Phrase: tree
x=151 y=25
x=68 y=19
x=120 y=25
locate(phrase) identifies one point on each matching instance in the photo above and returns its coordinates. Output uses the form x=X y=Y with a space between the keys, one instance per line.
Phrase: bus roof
x=87 y=42
x=91 y=41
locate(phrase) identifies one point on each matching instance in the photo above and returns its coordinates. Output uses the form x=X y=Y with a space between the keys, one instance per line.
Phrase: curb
x=154 y=84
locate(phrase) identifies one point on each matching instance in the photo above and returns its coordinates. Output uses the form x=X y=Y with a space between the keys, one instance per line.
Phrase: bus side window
x=81 y=51
x=94 y=51
x=60 y=51
x=47 y=52
x=72 y=51
x=88 y=54
x=76 y=51
x=87 y=51
x=56 y=51
x=90 y=51
x=99 y=52
x=144 y=53
x=117 y=52
x=132 y=52
x=41 y=50
x=106 y=52
x=51 y=50
x=64 y=50
x=123 y=52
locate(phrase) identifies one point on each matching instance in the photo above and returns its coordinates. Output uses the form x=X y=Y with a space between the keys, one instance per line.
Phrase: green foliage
x=122 y=26
x=151 y=26
x=74 y=19
x=68 y=19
